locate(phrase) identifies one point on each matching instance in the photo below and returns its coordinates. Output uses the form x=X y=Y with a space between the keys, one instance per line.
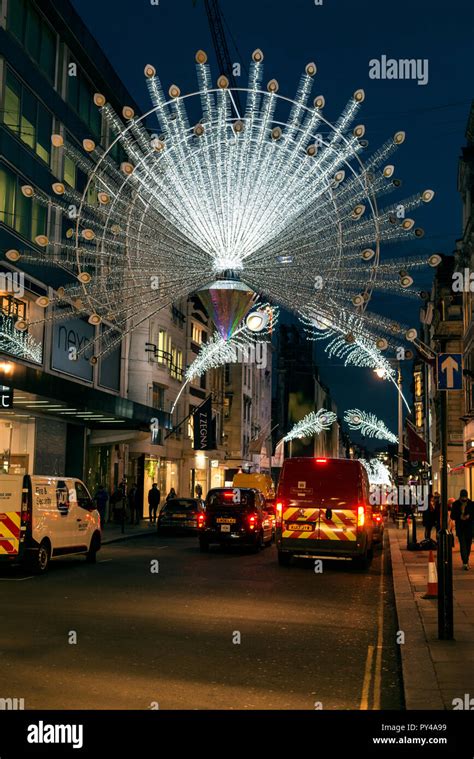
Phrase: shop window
x=34 y=33
x=26 y=216
x=197 y=334
x=27 y=117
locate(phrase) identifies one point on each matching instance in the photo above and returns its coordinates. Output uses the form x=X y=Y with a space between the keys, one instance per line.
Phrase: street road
x=146 y=639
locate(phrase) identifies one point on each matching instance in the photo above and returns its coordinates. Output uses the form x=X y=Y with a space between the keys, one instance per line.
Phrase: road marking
x=364 y=701
x=378 y=658
x=104 y=561
x=16 y=579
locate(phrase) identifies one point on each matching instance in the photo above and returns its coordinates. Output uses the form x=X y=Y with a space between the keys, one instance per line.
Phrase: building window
x=80 y=96
x=158 y=397
x=10 y=306
x=27 y=117
x=197 y=334
x=25 y=215
x=34 y=33
x=176 y=365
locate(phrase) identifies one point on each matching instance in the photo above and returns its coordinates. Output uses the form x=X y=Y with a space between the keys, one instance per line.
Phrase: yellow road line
x=364 y=701
x=378 y=659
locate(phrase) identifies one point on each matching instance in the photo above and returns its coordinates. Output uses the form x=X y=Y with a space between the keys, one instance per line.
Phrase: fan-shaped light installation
x=368 y=425
x=378 y=472
x=18 y=342
x=312 y=424
x=274 y=200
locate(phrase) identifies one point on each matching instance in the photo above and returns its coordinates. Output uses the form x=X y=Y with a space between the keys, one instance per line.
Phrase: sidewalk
x=113 y=532
x=434 y=671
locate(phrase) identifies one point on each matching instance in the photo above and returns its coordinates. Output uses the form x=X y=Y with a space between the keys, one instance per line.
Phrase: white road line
x=16 y=579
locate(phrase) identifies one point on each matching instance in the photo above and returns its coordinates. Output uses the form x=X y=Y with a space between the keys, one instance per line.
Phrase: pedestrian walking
x=154 y=497
x=462 y=514
x=101 y=498
x=119 y=503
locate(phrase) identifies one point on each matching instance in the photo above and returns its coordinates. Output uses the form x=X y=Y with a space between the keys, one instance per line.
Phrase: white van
x=43 y=517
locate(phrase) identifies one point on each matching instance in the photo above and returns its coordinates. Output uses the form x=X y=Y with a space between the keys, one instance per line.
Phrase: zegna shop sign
x=73 y=334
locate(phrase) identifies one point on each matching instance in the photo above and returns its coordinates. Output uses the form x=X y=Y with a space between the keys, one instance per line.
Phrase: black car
x=235 y=516
x=180 y=515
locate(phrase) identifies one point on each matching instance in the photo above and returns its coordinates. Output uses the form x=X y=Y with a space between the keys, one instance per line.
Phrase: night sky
x=341 y=37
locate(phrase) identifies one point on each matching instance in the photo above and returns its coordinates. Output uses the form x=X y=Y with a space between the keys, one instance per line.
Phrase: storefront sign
x=6 y=396
x=204 y=428
x=69 y=338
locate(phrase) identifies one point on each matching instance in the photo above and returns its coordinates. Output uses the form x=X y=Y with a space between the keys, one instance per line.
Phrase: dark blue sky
x=341 y=36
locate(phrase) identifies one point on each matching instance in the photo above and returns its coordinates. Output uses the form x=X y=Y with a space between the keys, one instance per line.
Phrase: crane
x=216 y=25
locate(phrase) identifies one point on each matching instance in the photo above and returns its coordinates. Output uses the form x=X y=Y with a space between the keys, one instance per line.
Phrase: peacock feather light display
x=275 y=202
x=311 y=424
x=368 y=424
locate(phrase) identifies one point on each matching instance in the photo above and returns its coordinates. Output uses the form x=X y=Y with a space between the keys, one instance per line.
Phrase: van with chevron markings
x=323 y=510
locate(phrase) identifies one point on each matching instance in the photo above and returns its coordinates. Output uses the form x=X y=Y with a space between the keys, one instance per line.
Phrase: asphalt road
x=168 y=638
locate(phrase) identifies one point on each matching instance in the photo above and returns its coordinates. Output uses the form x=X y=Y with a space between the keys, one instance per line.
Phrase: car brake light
x=378 y=518
x=201 y=520
x=229 y=494
x=252 y=521
x=360 y=516
x=321 y=461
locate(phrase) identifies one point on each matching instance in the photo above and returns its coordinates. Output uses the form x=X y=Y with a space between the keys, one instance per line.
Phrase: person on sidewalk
x=133 y=504
x=431 y=517
x=171 y=495
x=462 y=514
x=154 y=498
x=101 y=497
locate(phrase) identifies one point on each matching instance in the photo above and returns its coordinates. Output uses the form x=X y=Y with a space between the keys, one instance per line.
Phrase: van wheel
x=284 y=558
x=40 y=562
x=364 y=561
x=91 y=555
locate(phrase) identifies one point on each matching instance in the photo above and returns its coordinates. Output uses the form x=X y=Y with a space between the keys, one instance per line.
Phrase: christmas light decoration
x=311 y=424
x=368 y=425
x=18 y=343
x=273 y=200
x=378 y=472
x=243 y=346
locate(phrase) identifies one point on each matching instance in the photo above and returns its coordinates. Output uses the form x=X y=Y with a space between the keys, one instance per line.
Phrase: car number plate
x=225 y=527
x=179 y=516
x=305 y=527
x=225 y=520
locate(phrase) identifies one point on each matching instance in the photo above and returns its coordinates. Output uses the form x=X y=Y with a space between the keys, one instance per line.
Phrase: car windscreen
x=233 y=498
x=181 y=504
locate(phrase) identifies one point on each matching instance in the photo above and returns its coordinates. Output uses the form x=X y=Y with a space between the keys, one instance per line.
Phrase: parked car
x=235 y=516
x=378 y=514
x=323 y=509
x=180 y=515
x=43 y=517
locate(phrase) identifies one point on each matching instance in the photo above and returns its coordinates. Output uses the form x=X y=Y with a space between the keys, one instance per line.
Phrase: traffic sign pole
x=444 y=553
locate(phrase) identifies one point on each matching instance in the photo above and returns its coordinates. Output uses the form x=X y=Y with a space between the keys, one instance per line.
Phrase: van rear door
x=11 y=489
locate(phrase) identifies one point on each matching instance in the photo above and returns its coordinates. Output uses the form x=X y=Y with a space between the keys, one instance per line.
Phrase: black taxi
x=235 y=516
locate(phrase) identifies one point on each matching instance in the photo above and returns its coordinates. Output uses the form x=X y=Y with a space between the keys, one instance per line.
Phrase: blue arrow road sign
x=449 y=371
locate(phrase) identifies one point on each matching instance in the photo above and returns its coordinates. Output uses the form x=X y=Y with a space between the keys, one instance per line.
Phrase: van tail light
x=321 y=461
x=201 y=520
x=360 y=516
x=252 y=521
x=26 y=517
x=279 y=512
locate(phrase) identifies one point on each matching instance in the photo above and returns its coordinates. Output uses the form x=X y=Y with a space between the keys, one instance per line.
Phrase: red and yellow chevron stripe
x=10 y=523
x=342 y=525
